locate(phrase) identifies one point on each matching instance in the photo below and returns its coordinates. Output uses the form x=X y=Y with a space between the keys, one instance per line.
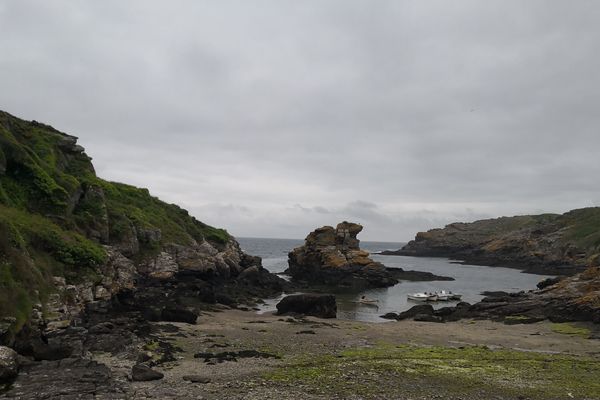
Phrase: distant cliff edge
x=545 y=244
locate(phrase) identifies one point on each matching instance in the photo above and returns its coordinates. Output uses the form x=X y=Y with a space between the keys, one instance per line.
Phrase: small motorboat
x=442 y=296
x=422 y=296
x=369 y=302
x=449 y=295
x=455 y=296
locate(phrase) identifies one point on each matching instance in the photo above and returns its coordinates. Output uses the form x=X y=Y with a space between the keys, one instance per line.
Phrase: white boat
x=422 y=296
x=442 y=296
x=368 y=302
x=448 y=295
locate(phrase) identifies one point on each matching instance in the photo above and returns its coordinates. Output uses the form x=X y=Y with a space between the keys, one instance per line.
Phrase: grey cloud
x=405 y=115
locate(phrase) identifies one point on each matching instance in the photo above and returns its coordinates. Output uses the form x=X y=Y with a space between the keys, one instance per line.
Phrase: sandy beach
x=311 y=358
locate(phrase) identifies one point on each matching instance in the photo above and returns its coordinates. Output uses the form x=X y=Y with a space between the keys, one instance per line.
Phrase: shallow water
x=470 y=280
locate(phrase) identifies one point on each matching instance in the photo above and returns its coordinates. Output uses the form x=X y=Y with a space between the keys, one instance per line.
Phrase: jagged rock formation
x=332 y=256
x=547 y=244
x=70 y=240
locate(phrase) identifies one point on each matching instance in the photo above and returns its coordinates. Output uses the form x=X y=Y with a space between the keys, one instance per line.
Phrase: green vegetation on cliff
x=55 y=215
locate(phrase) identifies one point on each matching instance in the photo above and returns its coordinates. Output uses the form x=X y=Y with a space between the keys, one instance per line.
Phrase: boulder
x=549 y=282
x=421 y=309
x=390 y=315
x=9 y=365
x=142 y=373
x=318 y=305
x=332 y=256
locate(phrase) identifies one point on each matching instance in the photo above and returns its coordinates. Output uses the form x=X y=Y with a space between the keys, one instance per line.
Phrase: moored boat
x=448 y=295
x=369 y=302
x=422 y=296
x=442 y=295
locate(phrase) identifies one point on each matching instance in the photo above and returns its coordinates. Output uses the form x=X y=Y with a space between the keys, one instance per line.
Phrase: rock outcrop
x=547 y=244
x=318 y=305
x=332 y=256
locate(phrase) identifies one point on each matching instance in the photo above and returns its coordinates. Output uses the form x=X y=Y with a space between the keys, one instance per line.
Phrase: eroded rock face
x=332 y=256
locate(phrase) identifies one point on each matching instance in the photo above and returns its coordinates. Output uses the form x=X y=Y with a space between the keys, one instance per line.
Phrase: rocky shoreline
x=570 y=299
x=236 y=354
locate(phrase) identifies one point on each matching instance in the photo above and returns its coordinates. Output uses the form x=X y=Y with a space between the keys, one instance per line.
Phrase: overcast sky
x=270 y=118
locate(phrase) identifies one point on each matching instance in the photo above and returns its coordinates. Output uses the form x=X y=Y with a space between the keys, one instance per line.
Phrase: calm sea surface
x=470 y=280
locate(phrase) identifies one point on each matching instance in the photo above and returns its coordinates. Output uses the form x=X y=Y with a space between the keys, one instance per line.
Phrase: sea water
x=470 y=280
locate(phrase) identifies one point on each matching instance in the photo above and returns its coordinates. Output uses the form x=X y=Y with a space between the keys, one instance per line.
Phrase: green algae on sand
x=470 y=371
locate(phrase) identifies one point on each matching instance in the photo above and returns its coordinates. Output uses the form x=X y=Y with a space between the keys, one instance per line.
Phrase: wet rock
x=421 y=309
x=390 y=315
x=142 y=373
x=549 y=282
x=9 y=365
x=196 y=379
x=332 y=256
x=173 y=314
x=318 y=305
x=427 y=318
x=233 y=355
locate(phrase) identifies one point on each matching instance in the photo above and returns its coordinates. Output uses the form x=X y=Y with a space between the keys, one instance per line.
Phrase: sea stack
x=332 y=256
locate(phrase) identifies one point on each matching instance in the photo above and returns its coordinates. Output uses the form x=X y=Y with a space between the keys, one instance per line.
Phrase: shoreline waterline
x=470 y=280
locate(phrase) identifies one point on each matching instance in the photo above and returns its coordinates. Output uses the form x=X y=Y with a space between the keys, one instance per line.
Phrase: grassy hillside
x=55 y=215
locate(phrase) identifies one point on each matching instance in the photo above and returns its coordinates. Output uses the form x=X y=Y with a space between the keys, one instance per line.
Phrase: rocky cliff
x=332 y=256
x=70 y=240
x=547 y=244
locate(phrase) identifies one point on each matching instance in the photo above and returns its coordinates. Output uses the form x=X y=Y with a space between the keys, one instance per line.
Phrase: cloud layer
x=270 y=118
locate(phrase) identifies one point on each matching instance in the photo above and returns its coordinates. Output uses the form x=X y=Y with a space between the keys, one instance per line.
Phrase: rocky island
x=332 y=256
x=550 y=244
